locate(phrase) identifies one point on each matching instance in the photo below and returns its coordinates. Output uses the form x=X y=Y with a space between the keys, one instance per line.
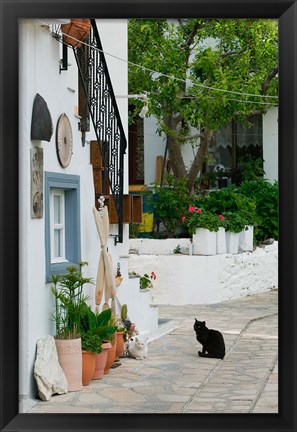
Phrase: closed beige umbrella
x=105 y=282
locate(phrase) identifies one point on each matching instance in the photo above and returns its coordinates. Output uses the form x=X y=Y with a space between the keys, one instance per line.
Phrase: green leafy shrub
x=239 y=209
x=170 y=202
x=134 y=230
x=265 y=195
x=234 y=222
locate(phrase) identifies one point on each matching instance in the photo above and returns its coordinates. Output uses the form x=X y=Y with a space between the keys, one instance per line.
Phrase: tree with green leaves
x=200 y=75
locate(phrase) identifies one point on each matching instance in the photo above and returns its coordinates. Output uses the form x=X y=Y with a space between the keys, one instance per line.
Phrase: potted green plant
x=235 y=223
x=203 y=225
x=69 y=306
x=91 y=345
x=97 y=325
x=145 y=281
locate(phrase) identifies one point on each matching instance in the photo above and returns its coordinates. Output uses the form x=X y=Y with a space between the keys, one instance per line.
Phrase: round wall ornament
x=64 y=140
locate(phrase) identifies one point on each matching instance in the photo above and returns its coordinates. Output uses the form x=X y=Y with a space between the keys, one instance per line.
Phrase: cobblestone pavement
x=173 y=379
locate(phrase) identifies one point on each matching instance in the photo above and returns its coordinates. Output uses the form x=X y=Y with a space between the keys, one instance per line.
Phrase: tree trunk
x=196 y=167
x=177 y=163
x=174 y=148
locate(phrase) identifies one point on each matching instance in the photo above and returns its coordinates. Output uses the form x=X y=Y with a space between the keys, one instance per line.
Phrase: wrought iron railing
x=104 y=113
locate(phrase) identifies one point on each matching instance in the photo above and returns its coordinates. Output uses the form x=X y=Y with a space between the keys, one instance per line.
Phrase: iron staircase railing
x=105 y=116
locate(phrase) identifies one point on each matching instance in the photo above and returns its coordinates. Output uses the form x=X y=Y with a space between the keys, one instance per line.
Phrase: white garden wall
x=183 y=279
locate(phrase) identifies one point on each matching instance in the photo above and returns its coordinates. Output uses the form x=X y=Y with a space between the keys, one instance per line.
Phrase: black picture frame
x=286 y=12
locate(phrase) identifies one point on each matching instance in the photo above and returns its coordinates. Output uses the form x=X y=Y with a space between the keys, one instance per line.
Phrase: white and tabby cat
x=137 y=347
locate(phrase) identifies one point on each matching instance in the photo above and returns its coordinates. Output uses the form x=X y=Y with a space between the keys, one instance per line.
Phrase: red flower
x=153 y=275
x=192 y=209
x=221 y=217
x=199 y=210
x=183 y=218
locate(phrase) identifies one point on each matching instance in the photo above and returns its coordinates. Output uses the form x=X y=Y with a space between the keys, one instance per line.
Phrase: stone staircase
x=142 y=310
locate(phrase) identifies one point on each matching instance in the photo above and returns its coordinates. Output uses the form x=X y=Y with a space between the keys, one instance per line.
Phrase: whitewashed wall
x=184 y=279
x=39 y=73
x=270 y=144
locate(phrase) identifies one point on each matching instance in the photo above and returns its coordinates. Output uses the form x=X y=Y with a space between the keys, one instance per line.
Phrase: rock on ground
x=49 y=375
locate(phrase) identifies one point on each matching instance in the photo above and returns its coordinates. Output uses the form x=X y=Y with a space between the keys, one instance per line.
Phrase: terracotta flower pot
x=75 y=31
x=70 y=359
x=100 y=361
x=120 y=346
x=88 y=366
x=110 y=357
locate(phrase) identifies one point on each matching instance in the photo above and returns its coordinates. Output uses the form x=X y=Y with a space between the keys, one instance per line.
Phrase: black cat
x=212 y=341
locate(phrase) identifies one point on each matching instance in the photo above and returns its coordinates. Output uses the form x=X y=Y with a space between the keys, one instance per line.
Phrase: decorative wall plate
x=64 y=140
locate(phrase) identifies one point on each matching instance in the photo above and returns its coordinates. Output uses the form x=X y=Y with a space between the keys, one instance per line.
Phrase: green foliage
x=98 y=323
x=254 y=203
x=91 y=342
x=134 y=230
x=242 y=59
x=251 y=168
x=69 y=301
x=265 y=195
x=145 y=281
x=234 y=222
x=230 y=202
x=170 y=202
x=177 y=249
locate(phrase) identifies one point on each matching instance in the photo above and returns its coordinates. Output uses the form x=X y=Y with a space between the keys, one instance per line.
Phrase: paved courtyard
x=173 y=379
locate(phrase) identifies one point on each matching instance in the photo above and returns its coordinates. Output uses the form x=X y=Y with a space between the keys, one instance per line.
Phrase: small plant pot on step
x=110 y=357
x=88 y=366
x=100 y=361
x=120 y=346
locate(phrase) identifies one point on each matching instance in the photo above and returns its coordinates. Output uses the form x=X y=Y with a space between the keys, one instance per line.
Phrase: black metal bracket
x=116 y=238
x=64 y=60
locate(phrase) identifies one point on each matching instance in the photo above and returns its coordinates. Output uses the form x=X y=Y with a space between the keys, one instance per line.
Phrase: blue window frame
x=62 y=222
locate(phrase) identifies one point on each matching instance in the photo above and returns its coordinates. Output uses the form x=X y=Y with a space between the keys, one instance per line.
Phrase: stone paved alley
x=173 y=379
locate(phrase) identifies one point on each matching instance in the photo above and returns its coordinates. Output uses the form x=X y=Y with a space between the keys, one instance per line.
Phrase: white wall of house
x=270 y=144
x=39 y=73
x=154 y=145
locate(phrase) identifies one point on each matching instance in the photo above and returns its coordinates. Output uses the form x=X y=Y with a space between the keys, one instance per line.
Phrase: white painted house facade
x=71 y=188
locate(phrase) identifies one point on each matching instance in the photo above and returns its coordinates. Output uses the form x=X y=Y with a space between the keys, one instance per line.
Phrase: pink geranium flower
x=199 y=210
x=192 y=209
x=183 y=218
x=221 y=217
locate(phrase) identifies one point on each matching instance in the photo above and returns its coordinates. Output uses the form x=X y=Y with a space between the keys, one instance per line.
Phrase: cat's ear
x=136 y=339
x=196 y=320
x=203 y=322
